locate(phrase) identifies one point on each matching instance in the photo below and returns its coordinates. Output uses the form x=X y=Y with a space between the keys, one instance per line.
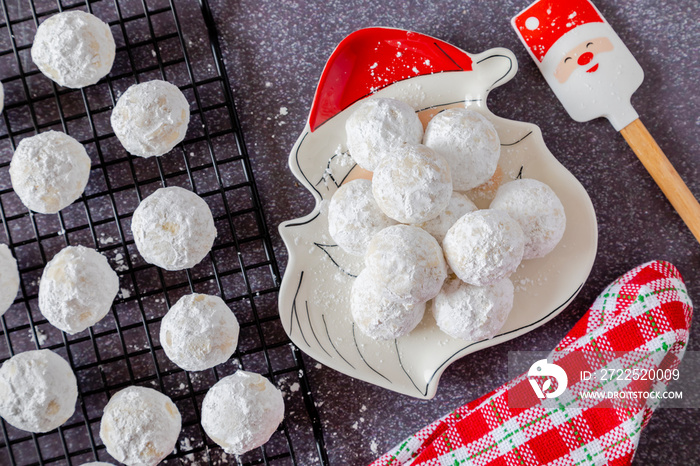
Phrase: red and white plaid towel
x=641 y=321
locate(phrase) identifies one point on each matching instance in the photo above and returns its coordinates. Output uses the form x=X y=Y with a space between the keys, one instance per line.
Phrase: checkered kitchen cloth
x=640 y=321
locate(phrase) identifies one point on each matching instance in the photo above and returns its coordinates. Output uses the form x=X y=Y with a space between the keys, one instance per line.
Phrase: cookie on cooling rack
x=74 y=48
x=173 y=228
x=38 y=391
x=199 y=332
x=242 y=411
x=9 y=279
x=140 y=426
x=77 y=289
x=151 y=118
x=49 y=171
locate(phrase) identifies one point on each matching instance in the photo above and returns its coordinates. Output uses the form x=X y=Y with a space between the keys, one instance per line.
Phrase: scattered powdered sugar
x=74 y=49
x=41 y=336
x=173 y=228
x=140 y=426
x=38 y=391
x=77 y=289
x=49 y=171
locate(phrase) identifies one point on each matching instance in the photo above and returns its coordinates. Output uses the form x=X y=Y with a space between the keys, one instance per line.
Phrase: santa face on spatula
x=585 y=63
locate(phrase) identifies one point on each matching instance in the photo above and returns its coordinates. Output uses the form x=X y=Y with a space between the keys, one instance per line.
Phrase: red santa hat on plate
x=549 y=28
x=370 y=59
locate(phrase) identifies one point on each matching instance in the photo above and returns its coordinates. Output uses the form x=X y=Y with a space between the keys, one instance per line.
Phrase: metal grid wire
x=154 y=41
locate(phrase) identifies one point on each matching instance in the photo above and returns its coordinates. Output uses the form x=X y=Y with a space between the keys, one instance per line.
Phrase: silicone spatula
x=593 y=74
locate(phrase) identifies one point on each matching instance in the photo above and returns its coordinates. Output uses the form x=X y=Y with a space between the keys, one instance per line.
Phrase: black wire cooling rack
x=156 y=39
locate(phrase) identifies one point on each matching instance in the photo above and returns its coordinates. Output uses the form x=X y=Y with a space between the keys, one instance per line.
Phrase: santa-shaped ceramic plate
x=430 y=75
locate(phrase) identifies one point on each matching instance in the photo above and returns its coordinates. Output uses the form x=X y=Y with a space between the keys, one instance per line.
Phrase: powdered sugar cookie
x=151 y=118
x=38 y=391
x=413 y=185
x=408 y=264
x=140 y=426
x=484 y=247
x=469 y=142
x=74 y=49
x=49 y=171
x=377 y=126
x=199 y=332
x=378 y=317
x=77 y=289
x=242 y=411
x=538 y=210
x=354 y=216
x=173 y=228
x=9 y=279
x=473 y=313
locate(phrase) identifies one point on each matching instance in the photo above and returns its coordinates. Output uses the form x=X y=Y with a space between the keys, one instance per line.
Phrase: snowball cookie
x=140 y=426
x=77 y=289
x=459 y=205
x=151 y=118
x=413 y=185
x=98 y=463
x=376 y=316
x=377 y=126
x=537 y=209
x=9 y=279
x=484 y=247
x=354 y=216
x=242 y=411
x=469 y=143
x=473 y=313
x=74 y=48
x=199 y=332
x=49 y=171
x=2 y=98
x=408 y=264
x=173 y=228
x=38 y=391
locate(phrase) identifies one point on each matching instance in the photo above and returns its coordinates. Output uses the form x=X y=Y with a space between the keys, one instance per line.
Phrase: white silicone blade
x=586 y=64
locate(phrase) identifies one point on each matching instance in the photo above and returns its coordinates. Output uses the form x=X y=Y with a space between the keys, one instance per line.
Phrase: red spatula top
x=594 y=75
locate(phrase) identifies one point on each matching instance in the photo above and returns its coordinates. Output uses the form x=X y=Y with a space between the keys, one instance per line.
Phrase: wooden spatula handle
x=668 y=179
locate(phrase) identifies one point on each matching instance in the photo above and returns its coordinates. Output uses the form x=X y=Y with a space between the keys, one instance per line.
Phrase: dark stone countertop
x=275 y=52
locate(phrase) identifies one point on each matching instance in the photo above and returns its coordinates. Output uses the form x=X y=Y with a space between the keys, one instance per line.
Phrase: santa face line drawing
x=582 y=56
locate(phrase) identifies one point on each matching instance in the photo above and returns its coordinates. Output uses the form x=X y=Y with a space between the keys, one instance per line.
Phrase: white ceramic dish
x=314 y=295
